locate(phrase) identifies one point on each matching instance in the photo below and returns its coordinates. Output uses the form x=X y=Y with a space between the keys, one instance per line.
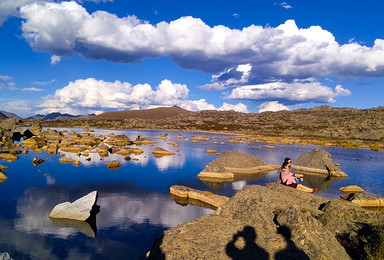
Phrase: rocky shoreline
x=326 y=126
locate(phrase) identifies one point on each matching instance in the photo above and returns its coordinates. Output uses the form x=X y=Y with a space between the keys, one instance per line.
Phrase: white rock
x=79 y=209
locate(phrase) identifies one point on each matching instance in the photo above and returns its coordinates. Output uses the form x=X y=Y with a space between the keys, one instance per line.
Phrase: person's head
x=285 y=166
x=288 y=160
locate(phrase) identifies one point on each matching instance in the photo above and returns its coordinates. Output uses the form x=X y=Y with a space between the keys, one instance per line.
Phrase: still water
x=134 y=199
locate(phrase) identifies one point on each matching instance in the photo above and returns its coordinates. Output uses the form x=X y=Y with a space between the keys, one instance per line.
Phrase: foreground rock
x=230 y=164
x=81 y=209
x=260 y=223
x=318 y=161
x=191 y=195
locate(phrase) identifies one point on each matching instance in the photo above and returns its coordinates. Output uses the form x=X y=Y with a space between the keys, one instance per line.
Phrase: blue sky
x=84 y=57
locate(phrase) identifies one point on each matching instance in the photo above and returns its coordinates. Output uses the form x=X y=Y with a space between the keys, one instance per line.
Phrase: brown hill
x=154 y=113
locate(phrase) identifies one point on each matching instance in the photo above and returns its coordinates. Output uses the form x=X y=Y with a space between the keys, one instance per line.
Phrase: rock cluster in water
x=324 y=125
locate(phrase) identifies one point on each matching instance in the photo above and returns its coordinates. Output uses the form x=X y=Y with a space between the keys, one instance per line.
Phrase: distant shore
x=324 y=126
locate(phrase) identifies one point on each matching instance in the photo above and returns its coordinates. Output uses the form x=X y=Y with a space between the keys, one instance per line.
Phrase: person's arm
x=295 y=174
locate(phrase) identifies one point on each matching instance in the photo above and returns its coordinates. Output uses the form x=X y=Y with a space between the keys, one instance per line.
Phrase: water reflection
x=121 y=207
x=134 y=200
x=322 y=182
x=87 y=228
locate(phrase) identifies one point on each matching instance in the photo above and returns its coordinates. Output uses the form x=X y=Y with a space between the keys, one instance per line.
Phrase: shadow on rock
x=243 y=246
x=156 y=252
x=291 y=251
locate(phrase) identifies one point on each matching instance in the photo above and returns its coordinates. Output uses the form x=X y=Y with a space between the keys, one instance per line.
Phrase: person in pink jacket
x=289 y=179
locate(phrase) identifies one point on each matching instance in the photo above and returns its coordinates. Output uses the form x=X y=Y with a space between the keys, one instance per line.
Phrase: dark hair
x=284 y=164
x=287 y=159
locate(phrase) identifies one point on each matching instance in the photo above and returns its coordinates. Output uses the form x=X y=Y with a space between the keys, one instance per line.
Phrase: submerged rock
x=81 y=209
x=318 y=161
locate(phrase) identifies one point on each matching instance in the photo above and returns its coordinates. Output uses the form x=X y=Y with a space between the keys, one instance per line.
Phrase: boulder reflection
x=322 y=182
x=87 y=228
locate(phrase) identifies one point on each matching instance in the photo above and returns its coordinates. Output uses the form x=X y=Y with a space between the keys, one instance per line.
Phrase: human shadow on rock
x=237 y=250
x=291 y=251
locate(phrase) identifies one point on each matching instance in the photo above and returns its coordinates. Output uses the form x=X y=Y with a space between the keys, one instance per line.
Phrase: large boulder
x=275 y=222
x=81 y=209
x=231 y=163
x=318 y=161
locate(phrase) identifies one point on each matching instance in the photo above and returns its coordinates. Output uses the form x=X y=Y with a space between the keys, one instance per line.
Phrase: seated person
x=298 y=177
x=288 y=179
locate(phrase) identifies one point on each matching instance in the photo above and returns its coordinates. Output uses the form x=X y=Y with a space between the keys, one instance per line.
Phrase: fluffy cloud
x=86 y=96
x=238 y=108
x=272 y=106
x=10 y=8
x=286 y=51
x=295 y=92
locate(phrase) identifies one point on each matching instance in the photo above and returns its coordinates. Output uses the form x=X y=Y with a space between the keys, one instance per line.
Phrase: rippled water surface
x=134 y=199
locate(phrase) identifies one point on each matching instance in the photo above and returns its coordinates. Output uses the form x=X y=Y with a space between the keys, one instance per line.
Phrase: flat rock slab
x=207 y=197
x=78 y=210
x=351 y=189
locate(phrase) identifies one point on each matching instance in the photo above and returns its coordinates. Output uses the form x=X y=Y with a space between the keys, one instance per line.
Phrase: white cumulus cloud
x=238 y=108
x=285 y=51
x=272 y=106
x=85 y=96
x=296 y=92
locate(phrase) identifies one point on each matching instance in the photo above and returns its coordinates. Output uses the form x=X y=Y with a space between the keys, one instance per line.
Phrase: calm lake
x=134 y=200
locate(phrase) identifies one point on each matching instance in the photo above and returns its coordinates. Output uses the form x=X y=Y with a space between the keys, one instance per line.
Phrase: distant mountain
x=37 y=116
x=56 y=115
x=2 y=116
x=9 y=115
x=154 y=113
